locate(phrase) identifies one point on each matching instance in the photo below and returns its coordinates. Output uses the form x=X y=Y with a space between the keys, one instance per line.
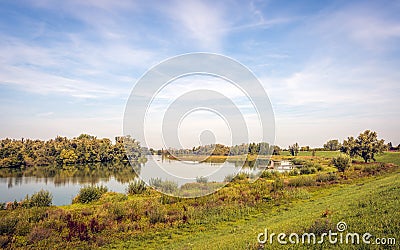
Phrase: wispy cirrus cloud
x=369 y=25
x=202 y=22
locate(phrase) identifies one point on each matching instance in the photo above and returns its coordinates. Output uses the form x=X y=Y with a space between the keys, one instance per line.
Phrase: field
x=365 y=197
x=370 y=206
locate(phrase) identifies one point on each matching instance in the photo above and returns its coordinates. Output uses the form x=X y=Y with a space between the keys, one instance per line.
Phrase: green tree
x=294 y=149
x=305 y=148
x=332 y=145
x=366 y=145
x=277 y=150
x=220 y=150
x=349 y=147
x=68 y=156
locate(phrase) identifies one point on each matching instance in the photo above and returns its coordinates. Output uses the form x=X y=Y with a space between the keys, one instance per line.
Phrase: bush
x=228 y=178
x=296 y=161
x=7 y=225
x=269 y=174
x=325 y=177
x=277 y=185
x=341 y=162
x=117 y=211
x=4 y=240
x=41 y=199
x=88 y=194
x=136 y=187
x=370 y=169
x=164 y=186
x=38 y=234
x=240 y=176
x=201 y=179
x=294 y=172
x=157 y=215
x=308 y=170
x=301 y=181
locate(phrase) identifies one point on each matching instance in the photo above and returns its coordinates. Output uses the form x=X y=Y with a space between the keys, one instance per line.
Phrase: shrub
x=269 y=174
x=370 y=169
x=294 y=172
x=7 y=225
x=117 y=211
x=136 y=187
x=38 y=234
x=240 y=176
x=296 y=161
x=4 y=240
x=341 y=162
x=277 y=185
x=201 y=179
x=169 y=186
x=228 y=178
x=90 y=193
x=155 y=182
x=157 y=214
x=308 y=170
x=164 y=186
x=325 y=177
x=301 y=181
x=41 y=199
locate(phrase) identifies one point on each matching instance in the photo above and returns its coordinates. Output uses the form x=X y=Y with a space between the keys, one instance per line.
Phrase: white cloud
x=203 y=23
x=368 y=26
x=42 y=83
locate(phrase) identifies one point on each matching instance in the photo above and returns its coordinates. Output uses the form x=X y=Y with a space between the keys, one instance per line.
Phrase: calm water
x=64 y=183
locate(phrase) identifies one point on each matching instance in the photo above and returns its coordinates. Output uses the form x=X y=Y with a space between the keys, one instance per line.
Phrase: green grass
x=329 y=154
x=389 y=157
x=370 y=206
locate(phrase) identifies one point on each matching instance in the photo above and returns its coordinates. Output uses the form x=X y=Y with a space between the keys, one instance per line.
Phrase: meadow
x=365 y=197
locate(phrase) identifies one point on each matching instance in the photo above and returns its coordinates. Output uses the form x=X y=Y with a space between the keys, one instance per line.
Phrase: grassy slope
x=368 y=205
x=231 y=223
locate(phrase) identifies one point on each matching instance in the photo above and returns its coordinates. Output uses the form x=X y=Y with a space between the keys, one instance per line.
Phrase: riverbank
x=364 y=197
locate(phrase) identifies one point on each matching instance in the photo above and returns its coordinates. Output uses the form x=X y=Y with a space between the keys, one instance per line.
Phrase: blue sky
x=331 y=69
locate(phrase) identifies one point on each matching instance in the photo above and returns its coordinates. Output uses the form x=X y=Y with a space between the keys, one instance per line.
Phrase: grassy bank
x=368 y=205
x=365 y=197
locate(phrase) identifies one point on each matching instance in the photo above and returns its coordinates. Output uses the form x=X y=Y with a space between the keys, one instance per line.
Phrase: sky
x=330 y=68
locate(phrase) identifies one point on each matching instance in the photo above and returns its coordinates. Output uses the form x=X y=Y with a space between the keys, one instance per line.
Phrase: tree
x=68 y=156
x=277 y=150
x=220 y=149
x=305 y=148
x=349 y=147
x=332 y=145
x=294 y=149
x=264 y=148
x=366 y=145
x=341 y=162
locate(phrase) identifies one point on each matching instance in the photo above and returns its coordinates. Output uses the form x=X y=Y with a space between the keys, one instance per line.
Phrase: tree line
x=366 y=145
x=262 y=148
x=61 y=150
